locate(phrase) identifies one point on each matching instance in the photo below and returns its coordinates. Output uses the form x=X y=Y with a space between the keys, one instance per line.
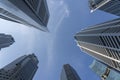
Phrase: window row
x=111 y=41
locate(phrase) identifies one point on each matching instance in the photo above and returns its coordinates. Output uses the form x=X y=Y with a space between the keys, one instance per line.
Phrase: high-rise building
x=6 y=40
x=110 y=6
x=68 y=73
x=104 y=72
x=23 y=68
x=28 y=12
x=102 y=42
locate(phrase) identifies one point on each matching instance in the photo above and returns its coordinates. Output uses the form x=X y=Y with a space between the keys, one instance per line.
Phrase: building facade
x=23 y=68
x=32 y=13
x=68 y=73
x=102 y=42
x=110 y=6
x=104 y=72
x=6 y=40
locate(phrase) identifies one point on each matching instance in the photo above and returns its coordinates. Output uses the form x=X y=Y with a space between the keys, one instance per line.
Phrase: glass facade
x=104 y=72
x=6 y=40
x=33 y=13
x=23 y=68
x=68 y=73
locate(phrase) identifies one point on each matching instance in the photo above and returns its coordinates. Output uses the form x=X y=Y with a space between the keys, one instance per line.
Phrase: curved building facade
x=69 y=73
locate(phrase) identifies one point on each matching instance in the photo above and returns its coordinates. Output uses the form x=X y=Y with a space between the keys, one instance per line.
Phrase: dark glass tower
x=23 y=68
x=28 y=12
x=110 y=6
x=68 y=73
x=104 y=72
x=102 y=41
x=6 y=40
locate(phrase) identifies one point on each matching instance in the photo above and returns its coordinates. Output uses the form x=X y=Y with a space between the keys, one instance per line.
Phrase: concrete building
x=110 y=6
x=32 y=13
x=102 y=42
x=23 y=68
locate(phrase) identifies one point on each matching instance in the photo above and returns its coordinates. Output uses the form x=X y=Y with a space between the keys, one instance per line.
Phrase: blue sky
x=57 y=47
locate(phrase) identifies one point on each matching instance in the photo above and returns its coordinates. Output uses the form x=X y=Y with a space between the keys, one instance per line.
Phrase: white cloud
x=56 y=6
x=67 y=12
x=58 y=12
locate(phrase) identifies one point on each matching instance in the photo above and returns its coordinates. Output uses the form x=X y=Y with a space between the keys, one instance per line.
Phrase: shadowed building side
x=68 y=73
x=6 y=40
x=23 y=68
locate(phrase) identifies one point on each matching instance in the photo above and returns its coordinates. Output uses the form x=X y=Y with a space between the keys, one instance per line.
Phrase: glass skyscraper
x=23 y=68
x=104 y=72
x=33 y=13
x=110 y=6
x=102 y=42
x=68 y=73
x=6 y=40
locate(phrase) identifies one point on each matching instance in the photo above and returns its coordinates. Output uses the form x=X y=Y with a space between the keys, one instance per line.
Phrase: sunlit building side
x=110 y=6
x=102 y=41
x=32 y=13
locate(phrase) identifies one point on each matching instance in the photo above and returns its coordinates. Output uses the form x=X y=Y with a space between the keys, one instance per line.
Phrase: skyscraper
x=22 y=68
x=28 y=12
x=68 y=73
x=104 y=72
x=110 y=6
x=102 y=42
x=6 y=40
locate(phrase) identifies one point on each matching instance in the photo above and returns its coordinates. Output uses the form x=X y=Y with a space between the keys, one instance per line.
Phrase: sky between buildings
x=57 y=47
